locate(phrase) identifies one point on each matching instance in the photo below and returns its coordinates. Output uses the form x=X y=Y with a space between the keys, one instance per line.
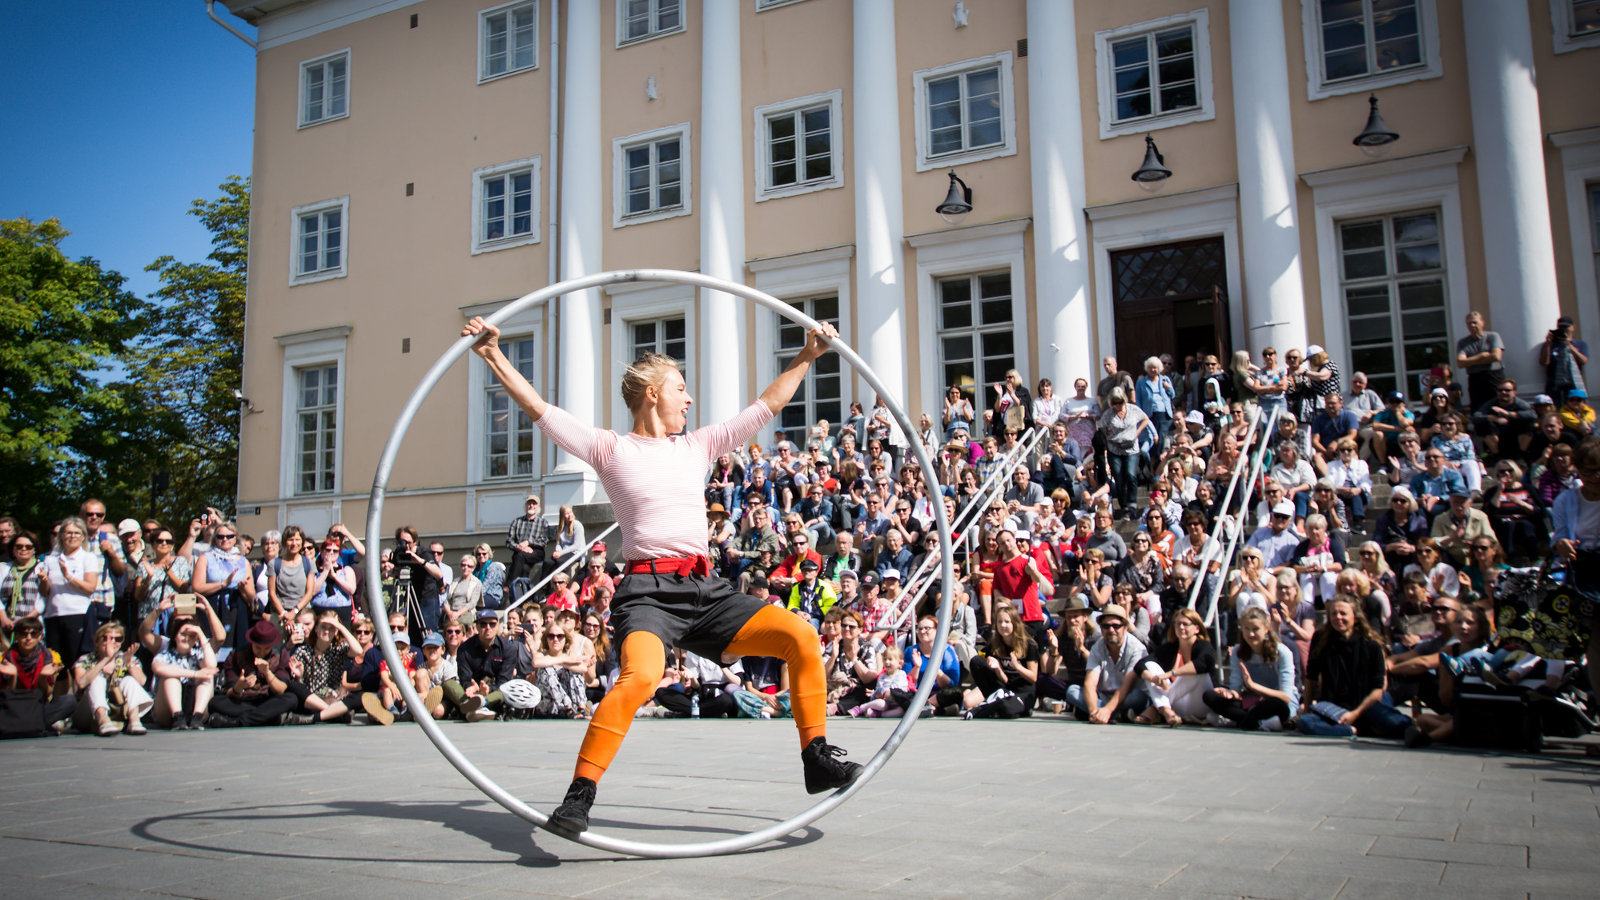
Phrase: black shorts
x=701 y=615
x=1040 y=632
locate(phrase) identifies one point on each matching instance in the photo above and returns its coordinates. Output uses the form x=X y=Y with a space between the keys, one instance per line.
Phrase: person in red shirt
x=787 y=573
x=593 y=578
x=1019 y=579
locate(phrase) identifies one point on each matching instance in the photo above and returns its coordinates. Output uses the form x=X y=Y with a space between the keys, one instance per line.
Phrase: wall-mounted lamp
x=1154 y=172
x=245 y=406
x=1374 y=140
x=957 y=202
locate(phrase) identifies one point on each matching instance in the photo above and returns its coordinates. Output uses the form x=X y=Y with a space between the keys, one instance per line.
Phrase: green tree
x=66 y=330
x=191 y=362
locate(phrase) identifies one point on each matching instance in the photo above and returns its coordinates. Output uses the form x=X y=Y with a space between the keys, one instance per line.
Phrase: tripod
x=406 y=601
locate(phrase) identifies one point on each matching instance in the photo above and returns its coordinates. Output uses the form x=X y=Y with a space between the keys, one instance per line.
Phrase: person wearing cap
x=1563 y=358
x=880 y=608
x=1458 y=526
x=1110 y=679
x=257 y=682
x=811 y=597
x=1277 y=539
x=655 y=477
x=1503 y=420
x=1576 y=415
x=483 y=663
x=526 y=538
x=1438 y=408
x=1389 y=422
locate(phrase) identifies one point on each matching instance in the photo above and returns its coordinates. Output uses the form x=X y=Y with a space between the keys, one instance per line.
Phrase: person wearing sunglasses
x=22 y=592
x=31 y=666
x=223 y=576
x=1111 y=685
x=655 y=476
x=160 y=575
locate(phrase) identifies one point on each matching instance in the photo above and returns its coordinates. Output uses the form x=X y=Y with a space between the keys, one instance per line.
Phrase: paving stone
x=1450 y=851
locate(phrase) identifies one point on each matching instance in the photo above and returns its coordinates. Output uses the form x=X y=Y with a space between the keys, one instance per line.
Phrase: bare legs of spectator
x=174 y=698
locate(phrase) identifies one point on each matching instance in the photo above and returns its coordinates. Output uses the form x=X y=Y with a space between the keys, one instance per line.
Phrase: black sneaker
x=572 y=816
x=1416 y=738
x=197 y=722
x=825 y=770
x=218 y=720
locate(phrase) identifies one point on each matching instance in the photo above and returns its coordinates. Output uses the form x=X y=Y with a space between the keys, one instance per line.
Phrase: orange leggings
x=770 y=632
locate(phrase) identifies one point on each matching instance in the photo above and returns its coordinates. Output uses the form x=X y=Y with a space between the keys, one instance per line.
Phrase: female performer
x=655 y=476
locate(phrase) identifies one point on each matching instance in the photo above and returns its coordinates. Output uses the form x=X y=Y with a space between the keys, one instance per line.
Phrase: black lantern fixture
x=1374 y=140
x=1154 y=173
x=957 y=201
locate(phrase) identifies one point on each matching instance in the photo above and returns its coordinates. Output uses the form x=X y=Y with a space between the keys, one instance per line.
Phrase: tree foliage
x=66 y=330
x=191 y=361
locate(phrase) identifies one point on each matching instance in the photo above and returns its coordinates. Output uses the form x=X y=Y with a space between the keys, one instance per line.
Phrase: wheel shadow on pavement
x=501 y=832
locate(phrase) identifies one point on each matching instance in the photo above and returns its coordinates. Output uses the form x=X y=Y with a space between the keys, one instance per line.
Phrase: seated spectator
x=602 y=657
x=1517 y=523
x=1262 y=693
x=1177 y=674
x=891 y=694
x=184 y=673
x=1456 y=529
x=1105 y=537
x=561 y=674
x=483 y=664
x=1435 y=483
x=816 y=514
x=1414 y=664
x=1412 y=621
x=110 y=683
x=811 y=597
x=1197 y=549
x=1332 y=424
x=1091 y=581
x=1325 y=502
x=1577 y=416
x=787 y=574
x=1352 y=481
x=1139 y=619
x=1472 y=631
x=1296 y=476
x=1319 y=559
x=1145 y=572
x=1459 y=453
x=1389 y=423
x=1010 y=662
x=919 y=653
x=1345 y=679
x=1399 y=529
x=852 y=664
x=703 y=685
x=1277 y=539
x=1484 y=572
x=30 y=666
x=257 y=681
x=319 y=665
x=1294 y=616
x=1406 y=462
x=1504 y=421
x=1439 y=408
x=1382 y=583
x=1110 y=682
x=1251 y=585
x=1558 y=477
x=1163 y=537
x=1441 y=577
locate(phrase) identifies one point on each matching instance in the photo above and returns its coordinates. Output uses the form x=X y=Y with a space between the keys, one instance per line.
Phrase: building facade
x=418 y=162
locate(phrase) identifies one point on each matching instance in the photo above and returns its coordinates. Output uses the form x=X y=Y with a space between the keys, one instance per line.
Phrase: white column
x=880 y=227
x=579 y=347
x=1518 y=251
x=1269 y=217
x=1060 y=232
x=722 y=374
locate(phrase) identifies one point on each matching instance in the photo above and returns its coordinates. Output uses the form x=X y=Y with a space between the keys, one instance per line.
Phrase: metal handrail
x=981 y=501
x=1237 y=526
x=559 y=569
x=1227 y=498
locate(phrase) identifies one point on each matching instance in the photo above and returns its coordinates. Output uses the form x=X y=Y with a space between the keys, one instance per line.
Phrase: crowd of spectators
x=1091 y=571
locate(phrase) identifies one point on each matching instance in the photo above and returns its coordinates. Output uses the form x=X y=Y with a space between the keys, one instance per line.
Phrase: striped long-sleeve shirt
x=656 y=485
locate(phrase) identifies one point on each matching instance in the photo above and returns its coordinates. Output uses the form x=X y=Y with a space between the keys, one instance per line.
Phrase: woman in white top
x=1352 y=478
x=570 y=537
x=1047 y=407
x=957 y=412
x=72 y=573
x=1081 y=412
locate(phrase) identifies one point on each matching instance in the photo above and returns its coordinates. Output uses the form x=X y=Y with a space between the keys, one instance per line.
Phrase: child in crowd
x=885 y=703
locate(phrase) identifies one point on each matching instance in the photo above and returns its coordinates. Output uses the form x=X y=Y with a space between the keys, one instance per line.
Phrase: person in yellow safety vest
x=810 y=596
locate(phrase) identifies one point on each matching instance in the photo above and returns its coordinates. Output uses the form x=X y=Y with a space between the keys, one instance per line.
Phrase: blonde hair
x=648 y=371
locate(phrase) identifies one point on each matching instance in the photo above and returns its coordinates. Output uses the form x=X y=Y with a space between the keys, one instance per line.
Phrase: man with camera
x=418 y=580
x=1563 y=359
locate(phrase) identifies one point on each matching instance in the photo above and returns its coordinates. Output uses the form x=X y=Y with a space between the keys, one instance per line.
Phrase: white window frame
x=764 y=5
x=1008 y=111
x=529 y=323
x=796 y=277
x=303 y=350
x=343 y=205
x=765 y=190
x=1317 y=88
x=479 y=176
x=1580 y=172
x=305 y=69
x=622 y=23
x=1426 y=180
x=507 y=340
x=1186 y=216
x=808 y=382
x=1200 y=21
x=483 y=40
x=1561 y=27
x=967 y=251
x=1393 y=282
x=638 y=302
x=619 y=175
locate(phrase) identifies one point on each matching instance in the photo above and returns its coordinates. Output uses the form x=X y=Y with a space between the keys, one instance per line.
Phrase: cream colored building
x=421 y=161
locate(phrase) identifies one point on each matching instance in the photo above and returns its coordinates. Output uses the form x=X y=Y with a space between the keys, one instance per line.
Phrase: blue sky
x=116 y=116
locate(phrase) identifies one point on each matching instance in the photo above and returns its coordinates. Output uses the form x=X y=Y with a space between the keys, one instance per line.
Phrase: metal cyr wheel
x=487 y=785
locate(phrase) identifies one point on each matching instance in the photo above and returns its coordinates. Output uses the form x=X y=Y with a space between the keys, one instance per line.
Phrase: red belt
x=670 y=565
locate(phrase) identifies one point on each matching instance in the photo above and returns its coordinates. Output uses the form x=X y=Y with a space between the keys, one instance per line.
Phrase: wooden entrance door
x=1170 y=298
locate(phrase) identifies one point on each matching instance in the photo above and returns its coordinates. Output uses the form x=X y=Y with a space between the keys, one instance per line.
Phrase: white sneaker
x=482 y=713
x=1273 y=724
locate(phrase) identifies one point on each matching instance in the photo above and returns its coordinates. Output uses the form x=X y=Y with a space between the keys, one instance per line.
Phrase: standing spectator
x=223 y=577
x=134 y=550
x=1114 y=378
x=101 y=538
x=22 y=588
x=1047 y=406
x=1563 y=359
x=490 y=573
x=1267 y=384
x=160 y=575
x=292 y=579
x=1154 y=394
x=337 y=585
x=1123 y=426
x=71 y=576
x=957 y=413
x=525 y=538
x=1081 y=412
x=1013 y=405
x=1322 y=374
x=1481 y=353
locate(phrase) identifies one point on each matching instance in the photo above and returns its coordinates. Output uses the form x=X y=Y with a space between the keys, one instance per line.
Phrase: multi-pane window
x=507 y=206
x=977 y=340
x=820 y=395
x=1154 y=74
x=509 y=442
x=510 y=39
x=324 y=89
x=965 y=112
x=317 y=428
x=640 y=19
x=1368 y=37
x=1392 y=276
x=669 y=337
x=319 y=241
x=1585 y=17
x=653 y=176
x=800 y=146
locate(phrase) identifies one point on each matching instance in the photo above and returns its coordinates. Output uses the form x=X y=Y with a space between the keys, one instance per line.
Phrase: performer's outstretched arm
x=781 y=390
x=517 y=387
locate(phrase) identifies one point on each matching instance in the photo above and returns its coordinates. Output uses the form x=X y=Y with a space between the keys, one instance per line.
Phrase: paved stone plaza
x=1033 y=808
